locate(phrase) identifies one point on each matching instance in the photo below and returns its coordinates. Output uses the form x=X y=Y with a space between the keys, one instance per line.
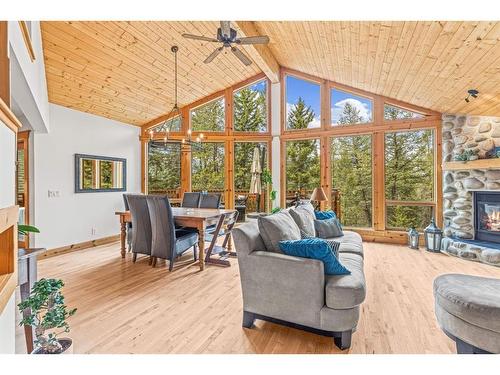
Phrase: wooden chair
x=223 y=228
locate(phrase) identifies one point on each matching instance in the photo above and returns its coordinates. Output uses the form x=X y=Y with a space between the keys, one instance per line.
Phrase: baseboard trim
x=80 y=246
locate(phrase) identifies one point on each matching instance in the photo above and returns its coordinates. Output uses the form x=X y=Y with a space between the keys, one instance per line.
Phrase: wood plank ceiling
x=429 y=64
x=123 y=70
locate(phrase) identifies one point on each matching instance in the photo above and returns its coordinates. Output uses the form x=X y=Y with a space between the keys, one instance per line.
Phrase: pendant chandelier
x=174 y=117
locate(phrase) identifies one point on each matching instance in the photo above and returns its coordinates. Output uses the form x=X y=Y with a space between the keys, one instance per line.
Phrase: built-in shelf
x=473 y=164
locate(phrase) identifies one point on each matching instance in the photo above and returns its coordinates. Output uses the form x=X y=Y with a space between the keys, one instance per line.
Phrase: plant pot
x=65 y=342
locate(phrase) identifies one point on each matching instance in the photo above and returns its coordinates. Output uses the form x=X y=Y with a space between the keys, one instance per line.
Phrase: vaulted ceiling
x=124 y=70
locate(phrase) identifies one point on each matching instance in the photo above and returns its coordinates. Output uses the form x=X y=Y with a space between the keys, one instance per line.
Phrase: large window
x=171 y=125
x=303 y=104
x=164 y=168
x=409 y=178
x=250 y=108
x=209 y=117
x=351 y=166
x=302 y=168
x=247 y=154
x=348 y=108
x=392 y=112
x=208 y=168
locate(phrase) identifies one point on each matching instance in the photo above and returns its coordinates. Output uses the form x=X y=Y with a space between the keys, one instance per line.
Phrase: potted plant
x=47 y=316
x=267 y=179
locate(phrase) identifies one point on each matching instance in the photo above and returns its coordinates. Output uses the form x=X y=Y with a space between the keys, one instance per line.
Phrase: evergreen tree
x=302 y=164
x=164 y=167
x=209 y=117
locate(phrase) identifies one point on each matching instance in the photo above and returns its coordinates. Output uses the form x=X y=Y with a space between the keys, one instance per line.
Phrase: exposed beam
x=259 y=53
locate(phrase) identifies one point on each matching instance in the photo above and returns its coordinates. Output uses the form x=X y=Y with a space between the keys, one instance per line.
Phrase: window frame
x=302 y=77
x=337 y=87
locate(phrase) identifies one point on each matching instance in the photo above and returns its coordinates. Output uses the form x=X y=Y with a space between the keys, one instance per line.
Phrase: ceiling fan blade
x=264 y=39
x=225 y=27
x=199 y=37
x=213 y=55
x=240 y=55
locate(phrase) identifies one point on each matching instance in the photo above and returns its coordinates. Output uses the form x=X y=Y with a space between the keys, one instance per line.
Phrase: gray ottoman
x=468 y=311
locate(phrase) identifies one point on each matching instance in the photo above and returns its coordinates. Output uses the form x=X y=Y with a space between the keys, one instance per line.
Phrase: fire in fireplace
x=487 y=216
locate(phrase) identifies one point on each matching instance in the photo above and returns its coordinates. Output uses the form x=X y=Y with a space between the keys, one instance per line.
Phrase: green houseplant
x=47 y=316
x=267 y=179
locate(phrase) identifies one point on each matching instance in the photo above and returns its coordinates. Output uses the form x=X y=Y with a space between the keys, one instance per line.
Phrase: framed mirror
x=95 y=174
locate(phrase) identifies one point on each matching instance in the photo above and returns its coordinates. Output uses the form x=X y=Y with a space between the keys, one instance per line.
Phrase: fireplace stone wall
x=459 y=133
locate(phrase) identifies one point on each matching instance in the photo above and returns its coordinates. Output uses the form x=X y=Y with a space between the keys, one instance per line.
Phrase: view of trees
x=250 y=109
x=207 y=167
x=409 y=174
x=164 y=167
x=209 y=117
x=302 y=157
x=106 y=174
x=351 y=166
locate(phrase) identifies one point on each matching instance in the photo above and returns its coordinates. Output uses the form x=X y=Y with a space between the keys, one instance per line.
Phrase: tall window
x=303 y=104
x=348 y=108
x=164 y=168
x=351 y=166
x=172 y=125
x=302 y=168
x=244 y=157
x=250 y=108
x=209 y=117
x=391 y=113
x=409 y=178
x=207 y=167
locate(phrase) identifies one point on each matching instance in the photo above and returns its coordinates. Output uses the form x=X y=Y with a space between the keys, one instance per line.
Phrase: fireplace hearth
x=487 y=216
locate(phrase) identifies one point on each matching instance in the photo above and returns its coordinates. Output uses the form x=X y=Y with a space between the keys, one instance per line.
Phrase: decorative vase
x=66 y=343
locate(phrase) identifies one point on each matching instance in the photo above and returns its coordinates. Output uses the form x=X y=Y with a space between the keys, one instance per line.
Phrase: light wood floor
x=132 y=308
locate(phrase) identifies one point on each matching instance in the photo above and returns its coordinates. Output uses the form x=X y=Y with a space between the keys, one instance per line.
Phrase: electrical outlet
x=53 y=193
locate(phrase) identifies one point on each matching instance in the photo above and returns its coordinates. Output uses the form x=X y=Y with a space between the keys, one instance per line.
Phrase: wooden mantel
x=473 y=164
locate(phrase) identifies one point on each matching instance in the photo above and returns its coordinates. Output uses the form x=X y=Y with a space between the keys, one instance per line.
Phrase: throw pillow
x=328 y=228
x=315 y=248
x=322 y=215
x=277 y=227
x=334 y=247
x=304 y=219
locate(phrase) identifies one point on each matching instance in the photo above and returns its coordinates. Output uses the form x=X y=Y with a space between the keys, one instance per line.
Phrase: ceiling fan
x=228 y=37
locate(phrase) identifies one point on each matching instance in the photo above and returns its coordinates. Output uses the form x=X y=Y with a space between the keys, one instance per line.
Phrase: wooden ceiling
x=124 y=70
x=429 y=64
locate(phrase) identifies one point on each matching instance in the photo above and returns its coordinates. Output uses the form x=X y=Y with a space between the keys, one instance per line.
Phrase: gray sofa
x=295 y=291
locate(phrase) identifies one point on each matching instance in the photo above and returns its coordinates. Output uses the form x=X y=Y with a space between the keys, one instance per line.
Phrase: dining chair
x=129 y=225
x=191 y=200
x=210 y=200
x=141 y=225
x=167 y=242
x=223 y=228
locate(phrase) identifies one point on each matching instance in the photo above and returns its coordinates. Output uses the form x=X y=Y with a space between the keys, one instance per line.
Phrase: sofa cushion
x=350 y=242
x=471 y=298
x=315 y=248
x=346 y=291
x=322 y=215
x=304 y=219
x=277 y=227
x=328 y=228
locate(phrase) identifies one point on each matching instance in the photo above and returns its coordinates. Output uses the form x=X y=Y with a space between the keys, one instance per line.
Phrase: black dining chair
x=191 y=200
x=210 y=200
x=167 y=242
x=141 y=225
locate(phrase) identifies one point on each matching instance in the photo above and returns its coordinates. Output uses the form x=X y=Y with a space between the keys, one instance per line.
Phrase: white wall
x=28 y=82
x=7 y=199
x=69 y=219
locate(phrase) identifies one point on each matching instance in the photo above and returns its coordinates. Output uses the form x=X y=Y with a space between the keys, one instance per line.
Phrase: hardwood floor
x=133 y=308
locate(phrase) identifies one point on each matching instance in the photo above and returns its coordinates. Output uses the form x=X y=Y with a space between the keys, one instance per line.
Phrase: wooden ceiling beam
x=259 y=53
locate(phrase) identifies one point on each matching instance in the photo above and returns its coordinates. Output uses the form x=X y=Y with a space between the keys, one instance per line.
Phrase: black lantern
x=413 y=237
x=433 y=236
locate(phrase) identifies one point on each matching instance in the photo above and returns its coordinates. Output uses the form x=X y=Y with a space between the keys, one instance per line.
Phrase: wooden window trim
x=27 y=40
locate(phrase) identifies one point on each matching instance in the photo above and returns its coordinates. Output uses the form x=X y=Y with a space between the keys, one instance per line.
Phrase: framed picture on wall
x=97 y=174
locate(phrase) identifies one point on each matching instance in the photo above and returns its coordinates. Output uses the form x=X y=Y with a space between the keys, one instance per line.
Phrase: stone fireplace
x=471 y=190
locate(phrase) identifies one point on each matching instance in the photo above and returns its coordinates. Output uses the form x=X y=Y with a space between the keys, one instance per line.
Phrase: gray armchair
x=167 y=242
x=141 y=225
x=295 y=291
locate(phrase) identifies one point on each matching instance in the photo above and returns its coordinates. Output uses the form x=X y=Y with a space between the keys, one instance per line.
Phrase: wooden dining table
x=197 y=218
